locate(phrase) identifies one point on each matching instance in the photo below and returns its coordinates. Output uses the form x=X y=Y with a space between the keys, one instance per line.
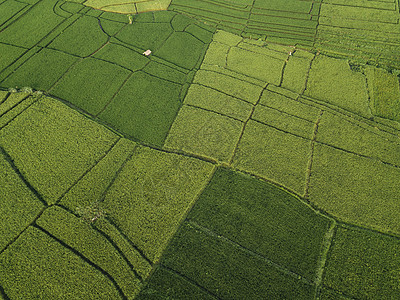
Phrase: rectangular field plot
x=356 y=189
x=362 y=13
x=331 y=80
x=53 y=146
x=387 y=4
x=264 y=219
x=152 y=194
x=144 y=108
x=122 y=56
x=274 y=155
x=210 y=99
x=384 y=93
x=358 y=138
x=229 y=85
x=296 y=71
x=229 y=271
x=291 y=5
x=18 y=205
x=364 y=265
x=37 y=255
x=204 y=133
x=284 y=121
x=256 y=65
x=278 y=99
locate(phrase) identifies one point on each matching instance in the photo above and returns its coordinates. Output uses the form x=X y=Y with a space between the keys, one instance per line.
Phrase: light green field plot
x=296 y=71
x=356 y=189
x=204 y=133
x=37 y=255
x=93 y=186
x=92 y=245
x=359 y=138
x=364 y=265
x=53 y=152
x=14 y=104
x=332 y=81
x=10 y=101
x=273 y=154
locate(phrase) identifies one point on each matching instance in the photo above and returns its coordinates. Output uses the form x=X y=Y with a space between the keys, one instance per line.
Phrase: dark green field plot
x=364 y=265
x=94 y=61
x=246 y=238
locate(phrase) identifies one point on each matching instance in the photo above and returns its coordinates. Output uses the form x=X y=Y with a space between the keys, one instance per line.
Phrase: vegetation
x=36 y=254
x=363 y=264
x=128 y=7
x=208 y=150
x=53 y=146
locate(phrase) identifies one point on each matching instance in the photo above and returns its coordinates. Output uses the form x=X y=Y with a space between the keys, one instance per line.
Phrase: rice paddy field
x=253 y=154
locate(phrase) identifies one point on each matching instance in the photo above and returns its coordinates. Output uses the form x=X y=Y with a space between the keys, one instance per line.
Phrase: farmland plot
x=216 y=167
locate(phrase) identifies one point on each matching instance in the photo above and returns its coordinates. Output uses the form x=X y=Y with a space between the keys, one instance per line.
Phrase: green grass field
x=253 y=154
